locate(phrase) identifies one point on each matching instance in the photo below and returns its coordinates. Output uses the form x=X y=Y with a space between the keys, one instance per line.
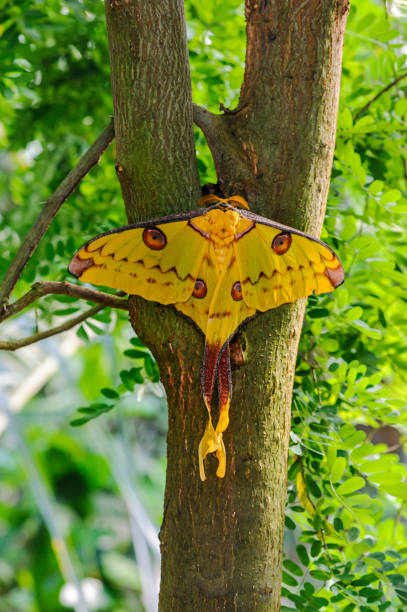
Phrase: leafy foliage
x=350 y=391
x=346 y=541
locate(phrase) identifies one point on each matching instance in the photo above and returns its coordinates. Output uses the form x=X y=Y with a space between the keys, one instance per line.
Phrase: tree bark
x=222 y=539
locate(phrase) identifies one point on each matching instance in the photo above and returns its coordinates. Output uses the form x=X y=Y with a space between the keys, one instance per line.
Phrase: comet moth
x=219 y=266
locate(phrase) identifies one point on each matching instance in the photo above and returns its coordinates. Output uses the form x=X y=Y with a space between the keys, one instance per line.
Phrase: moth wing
x=269 y=278
x=228 y=309
x=196 y=307
x=130 y=260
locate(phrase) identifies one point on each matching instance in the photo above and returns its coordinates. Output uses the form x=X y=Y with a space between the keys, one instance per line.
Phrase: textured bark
x=151 y=85
x=221 y=540
x=276 y=148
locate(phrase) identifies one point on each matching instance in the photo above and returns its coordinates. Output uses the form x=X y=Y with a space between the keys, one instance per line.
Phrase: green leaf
x=289 y=523
x=353 y=534
x=401 y=107
x=371 y=594
x=390 y=196
x=365 y=580
x=318 y=313
x=135 y=354
x=65 y=299
x=342 y=296
x=81 y=333
x=354 y=313
x=91 y=412
x=62 y=312
x=98 y=330
x=320 y=575
x=138 y=343
x=293 y=470
x=354 y=440
x=376 y=334
x=386 y=478
x=364 y=450
x=312 y=486
x=127 y=380
x=93 y=408
x=309 y=588
x=396 y=579
x=331 y=455
x=289 y=580
x=402 y=595
x=303 y=554
x=316 y=548
x=330 y=344
x=345 y=121
x=376 y=187
x=398 y=490
x=79 y=422
x=152 y=369
x=351 y=485
x=364 y=125
x=293 y=567
x=136 y=375
x=349 y=228
x=338 y=469
x=110 y=393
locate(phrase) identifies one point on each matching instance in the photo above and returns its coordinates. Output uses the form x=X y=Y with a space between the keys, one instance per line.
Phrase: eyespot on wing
x=154 y=238
x=200 y=289
x=281 y=243
x=236 y=292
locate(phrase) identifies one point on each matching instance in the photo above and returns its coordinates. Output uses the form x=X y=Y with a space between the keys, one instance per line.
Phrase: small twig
x=380 y=93
x=13 y=345
x=62 y=288
x=51 y=207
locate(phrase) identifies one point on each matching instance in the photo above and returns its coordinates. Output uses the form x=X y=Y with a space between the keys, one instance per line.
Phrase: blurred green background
x=81 y=502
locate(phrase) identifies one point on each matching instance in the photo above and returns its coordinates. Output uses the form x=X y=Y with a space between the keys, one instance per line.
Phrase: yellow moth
x=219 y=266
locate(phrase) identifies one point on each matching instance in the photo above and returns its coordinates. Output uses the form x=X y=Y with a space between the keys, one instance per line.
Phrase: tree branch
x=62 y=288
x=203 y=118
x=51 y=207
x=380 y=93
x=222 y=144
x=13 y=345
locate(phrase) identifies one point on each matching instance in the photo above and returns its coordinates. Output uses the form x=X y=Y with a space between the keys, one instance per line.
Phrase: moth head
x=236 y=201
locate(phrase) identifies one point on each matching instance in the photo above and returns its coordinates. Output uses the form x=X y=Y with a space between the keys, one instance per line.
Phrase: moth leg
x=212 y=439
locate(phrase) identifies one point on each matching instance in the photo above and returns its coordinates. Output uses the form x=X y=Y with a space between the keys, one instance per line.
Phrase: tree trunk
x=222 y=539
